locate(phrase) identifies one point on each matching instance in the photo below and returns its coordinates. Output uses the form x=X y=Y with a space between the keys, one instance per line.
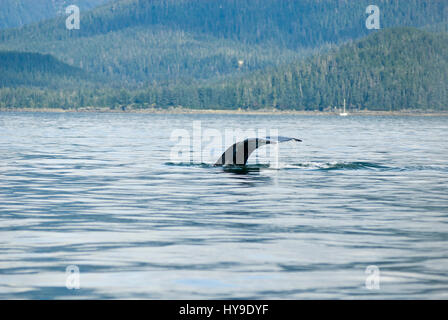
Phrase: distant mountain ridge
x=141 y=41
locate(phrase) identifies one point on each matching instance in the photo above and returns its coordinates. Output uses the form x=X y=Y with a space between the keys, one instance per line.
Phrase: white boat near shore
x=344 y=113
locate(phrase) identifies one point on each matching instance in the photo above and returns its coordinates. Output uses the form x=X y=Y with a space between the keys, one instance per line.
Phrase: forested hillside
x=16 y=13
x=399 y=68
x=136 y=41
x=393 y=69
x=19 y=69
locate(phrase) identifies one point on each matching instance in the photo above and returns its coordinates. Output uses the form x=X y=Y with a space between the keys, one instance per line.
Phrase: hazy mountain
x=158 y=40
x=16 y=13
x=20 y=69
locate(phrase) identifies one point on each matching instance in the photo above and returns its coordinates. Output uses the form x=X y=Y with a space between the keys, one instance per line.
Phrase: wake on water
x=286 y=166
x=310 y=166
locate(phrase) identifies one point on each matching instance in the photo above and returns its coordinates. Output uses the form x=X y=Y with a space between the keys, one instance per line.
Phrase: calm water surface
x=100 y=191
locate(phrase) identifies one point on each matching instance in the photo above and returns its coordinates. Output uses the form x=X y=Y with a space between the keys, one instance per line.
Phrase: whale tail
x=239 y=153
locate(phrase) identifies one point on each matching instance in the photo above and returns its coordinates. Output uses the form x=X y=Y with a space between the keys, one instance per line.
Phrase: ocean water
x=358 y=210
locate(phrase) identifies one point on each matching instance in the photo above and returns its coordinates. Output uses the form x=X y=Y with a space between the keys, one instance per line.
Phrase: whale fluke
x=239 y=153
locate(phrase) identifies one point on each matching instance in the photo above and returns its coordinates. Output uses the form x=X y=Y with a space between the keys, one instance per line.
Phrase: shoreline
x=229 y=112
